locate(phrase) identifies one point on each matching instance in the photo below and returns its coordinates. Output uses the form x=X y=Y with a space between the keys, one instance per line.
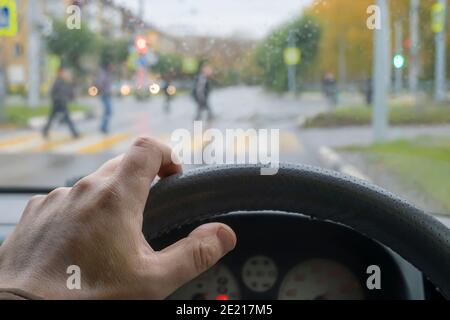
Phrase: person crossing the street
x=61 y=95
x=201 y=91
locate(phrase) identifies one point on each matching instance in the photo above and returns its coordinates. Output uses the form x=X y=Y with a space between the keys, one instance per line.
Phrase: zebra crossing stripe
x=12 y=141
x=104 y=144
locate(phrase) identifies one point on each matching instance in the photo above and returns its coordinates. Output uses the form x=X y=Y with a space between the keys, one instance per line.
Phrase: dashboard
x=285 y=256
x=292 y=257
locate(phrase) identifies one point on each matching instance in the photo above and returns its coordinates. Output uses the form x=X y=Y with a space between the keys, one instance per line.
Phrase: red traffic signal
x=407 y=44
x=141 y=45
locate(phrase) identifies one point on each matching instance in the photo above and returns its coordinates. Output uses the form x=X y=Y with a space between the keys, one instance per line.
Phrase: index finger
x=145 y=159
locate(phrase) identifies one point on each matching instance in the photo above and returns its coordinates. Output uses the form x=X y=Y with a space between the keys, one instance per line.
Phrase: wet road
x=26 y=159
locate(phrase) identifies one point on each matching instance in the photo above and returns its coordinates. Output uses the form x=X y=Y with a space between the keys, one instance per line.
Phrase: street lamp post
x=141 y=12
x=413 y=77
x=292 y=67
x=2 y=91
x=381 y=71
x=33 y=53
x=439 y=24
x=399 y=56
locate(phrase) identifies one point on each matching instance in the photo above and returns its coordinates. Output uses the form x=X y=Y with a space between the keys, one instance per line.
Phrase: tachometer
x=217 y=283
x=321 y=279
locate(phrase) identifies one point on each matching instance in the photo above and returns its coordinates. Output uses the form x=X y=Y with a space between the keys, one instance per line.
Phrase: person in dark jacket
x=61 y=95
x=329 y=87
x=104 y=83
x=202 y=89
x=167 y=87
x=368 y=90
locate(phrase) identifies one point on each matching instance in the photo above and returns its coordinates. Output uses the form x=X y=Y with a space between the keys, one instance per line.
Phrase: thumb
x=193 y=255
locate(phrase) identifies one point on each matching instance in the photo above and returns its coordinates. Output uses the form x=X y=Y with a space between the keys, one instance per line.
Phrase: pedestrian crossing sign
x=292 y=56
x=438 y=17
x=8 y=18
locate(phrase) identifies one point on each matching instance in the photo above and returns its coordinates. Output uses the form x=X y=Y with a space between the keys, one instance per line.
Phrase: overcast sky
x=247 y=18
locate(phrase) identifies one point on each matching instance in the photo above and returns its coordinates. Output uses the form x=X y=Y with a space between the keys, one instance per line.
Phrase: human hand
x=97 y=226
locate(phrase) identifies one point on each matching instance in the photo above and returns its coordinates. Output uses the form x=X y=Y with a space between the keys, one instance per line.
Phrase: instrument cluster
x=287 y=256
x=313 y=279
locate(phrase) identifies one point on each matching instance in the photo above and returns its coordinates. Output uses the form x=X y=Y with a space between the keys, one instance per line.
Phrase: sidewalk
x=340 y=137
x=358 y=165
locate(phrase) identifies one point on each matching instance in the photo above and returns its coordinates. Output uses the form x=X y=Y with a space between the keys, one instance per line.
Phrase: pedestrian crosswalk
x=62 y=143
x=59 y=143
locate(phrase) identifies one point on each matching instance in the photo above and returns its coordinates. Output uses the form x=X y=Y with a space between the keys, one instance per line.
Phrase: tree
x=70 y=45
x=168 y=65
x=344 y=28
x=113 y=51
x=306 y=33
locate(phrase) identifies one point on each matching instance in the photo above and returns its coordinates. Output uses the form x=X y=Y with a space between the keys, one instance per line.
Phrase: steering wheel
x=320 y=194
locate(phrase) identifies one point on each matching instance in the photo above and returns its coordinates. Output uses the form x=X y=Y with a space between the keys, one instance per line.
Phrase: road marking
x=49 y=145
x=164 y=137
x=289 y=142
x=18 y=140
x=197 y=143
x=333 y=161
x=104 y=144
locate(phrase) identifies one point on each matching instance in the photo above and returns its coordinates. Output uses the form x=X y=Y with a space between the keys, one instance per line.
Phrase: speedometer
x=321 y=279
x=217 y=283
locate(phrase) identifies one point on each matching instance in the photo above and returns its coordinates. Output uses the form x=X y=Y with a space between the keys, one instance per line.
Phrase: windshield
x=358 y=87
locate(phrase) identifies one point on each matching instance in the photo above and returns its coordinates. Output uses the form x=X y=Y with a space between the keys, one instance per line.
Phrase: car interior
x=358 y=208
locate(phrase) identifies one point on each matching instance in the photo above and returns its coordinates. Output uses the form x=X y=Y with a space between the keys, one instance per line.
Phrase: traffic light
x=141 y=45
x=399 y=61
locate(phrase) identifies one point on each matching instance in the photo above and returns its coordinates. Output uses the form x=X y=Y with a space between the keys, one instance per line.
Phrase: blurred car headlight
x=125 y=90
x=93 y=91
x=171 y=90
x=154 y=88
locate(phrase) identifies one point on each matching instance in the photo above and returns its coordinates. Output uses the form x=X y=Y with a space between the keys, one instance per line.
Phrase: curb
x=332 y=160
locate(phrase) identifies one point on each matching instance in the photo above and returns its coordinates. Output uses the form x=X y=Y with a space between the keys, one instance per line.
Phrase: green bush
x=398 y=115
x=20 y=114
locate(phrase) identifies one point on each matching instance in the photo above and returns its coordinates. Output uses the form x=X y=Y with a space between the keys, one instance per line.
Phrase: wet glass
x=256 y=81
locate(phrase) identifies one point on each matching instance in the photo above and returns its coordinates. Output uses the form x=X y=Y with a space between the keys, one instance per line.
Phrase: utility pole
x=141 y=10
x=2 y=90
x=381 y=71
x=439 y=26
x=292 y=67
x=33 y=53
x=413 y=77
x=342 y=65
x=2 y=84
x=399 y=52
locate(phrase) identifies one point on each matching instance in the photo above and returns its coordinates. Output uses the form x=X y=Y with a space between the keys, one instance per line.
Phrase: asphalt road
x=26 y=159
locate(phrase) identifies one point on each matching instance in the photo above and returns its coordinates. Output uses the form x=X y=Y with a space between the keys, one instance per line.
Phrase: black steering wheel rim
x=321 y=194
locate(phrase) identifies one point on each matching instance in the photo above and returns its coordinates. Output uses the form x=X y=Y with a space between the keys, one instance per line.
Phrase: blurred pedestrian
x=61 y=94
x=329 y=87
x=168 y=93
x=201 y=91
x=104 y=85
x=369 y=91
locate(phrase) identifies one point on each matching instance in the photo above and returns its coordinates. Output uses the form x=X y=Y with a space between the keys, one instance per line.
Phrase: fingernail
x=227 y=238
